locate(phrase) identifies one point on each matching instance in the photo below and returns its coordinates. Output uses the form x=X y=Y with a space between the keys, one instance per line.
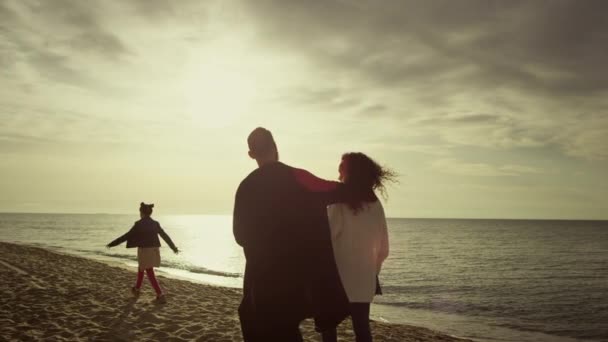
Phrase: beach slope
x=48 y=295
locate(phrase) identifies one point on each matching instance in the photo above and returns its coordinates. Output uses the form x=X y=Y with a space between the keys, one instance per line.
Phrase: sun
x=219 y=88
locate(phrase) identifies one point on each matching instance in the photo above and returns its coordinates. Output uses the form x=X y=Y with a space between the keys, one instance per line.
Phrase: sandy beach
x=51 y=296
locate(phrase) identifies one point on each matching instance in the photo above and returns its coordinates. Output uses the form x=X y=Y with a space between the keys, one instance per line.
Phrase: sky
x=485 y=109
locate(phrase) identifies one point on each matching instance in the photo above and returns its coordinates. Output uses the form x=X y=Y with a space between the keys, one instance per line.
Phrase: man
x=280 y=220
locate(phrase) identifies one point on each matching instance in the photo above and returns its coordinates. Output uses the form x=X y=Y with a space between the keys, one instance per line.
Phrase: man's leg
x=288 y=331
x=248 y=326
x=360 y=316
x=296 y=334
x=330 y=335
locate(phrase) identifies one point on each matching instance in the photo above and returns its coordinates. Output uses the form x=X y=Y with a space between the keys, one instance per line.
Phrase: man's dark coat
x=280 y=220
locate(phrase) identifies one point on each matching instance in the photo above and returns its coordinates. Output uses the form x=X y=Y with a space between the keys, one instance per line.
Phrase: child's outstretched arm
x=120 y=239
x=167 y=239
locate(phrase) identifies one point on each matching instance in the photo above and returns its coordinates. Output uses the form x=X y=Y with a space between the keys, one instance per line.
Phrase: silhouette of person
x=144 y=236
x=280 y=220
x=360 y=237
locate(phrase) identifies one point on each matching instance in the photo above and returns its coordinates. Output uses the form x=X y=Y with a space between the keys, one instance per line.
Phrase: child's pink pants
x=152 y=277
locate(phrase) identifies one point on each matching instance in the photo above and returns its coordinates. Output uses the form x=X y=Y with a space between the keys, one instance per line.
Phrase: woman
x=360 y=237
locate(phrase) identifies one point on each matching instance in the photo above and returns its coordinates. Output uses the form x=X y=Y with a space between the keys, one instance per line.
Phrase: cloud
x=456 y=167
x=81 y=26
x=494 y=91
x=56 y=42
x=327 y=97
x=395 y=41
x=154 y=9
x=588 y=141
x=489 y=73
x=72 y=71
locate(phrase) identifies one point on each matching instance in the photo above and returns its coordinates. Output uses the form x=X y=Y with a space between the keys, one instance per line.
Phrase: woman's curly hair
x=363 y=176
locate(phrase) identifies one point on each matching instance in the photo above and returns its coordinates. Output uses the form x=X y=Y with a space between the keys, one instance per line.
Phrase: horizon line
x=388 y=217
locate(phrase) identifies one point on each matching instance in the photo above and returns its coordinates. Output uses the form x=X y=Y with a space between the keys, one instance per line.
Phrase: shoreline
x=58 y=295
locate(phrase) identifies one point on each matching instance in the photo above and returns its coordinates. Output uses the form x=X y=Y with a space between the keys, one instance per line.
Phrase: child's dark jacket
x=144 y=233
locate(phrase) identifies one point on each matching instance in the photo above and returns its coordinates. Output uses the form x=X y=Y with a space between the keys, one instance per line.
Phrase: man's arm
x=328 y=192
x=239 y=216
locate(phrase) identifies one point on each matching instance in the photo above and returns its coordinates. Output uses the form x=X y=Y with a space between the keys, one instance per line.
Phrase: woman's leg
x=153 y=281
x=360 y=315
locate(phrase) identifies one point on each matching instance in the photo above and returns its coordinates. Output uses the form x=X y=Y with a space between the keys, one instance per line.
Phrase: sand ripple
x=56 y=297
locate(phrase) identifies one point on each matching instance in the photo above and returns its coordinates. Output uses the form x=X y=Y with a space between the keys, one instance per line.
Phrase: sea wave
x=168 y=264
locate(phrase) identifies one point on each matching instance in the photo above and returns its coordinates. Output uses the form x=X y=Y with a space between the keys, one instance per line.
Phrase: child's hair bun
x=146 y=209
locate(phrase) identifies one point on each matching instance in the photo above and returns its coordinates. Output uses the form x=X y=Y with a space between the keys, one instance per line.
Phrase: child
x=144 y=236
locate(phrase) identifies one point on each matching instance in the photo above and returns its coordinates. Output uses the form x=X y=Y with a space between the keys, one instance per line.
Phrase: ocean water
x=488 y=280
